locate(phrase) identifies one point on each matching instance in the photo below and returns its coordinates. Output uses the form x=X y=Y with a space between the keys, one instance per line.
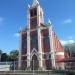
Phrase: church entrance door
x=34 y=63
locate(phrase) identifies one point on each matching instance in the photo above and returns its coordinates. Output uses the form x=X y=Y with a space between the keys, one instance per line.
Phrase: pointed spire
x=49 y=21
x=35 y=2
x=28 y=6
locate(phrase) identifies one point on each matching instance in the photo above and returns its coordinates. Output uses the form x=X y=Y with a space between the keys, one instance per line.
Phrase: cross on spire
x=35 y=2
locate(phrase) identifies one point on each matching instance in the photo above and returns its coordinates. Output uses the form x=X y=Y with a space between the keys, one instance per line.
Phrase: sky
x=13 y=16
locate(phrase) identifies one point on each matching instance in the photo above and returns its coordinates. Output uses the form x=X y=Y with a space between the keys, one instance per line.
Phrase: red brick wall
x=58 y=48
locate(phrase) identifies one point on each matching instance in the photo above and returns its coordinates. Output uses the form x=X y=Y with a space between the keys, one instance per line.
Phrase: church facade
x=39 y=45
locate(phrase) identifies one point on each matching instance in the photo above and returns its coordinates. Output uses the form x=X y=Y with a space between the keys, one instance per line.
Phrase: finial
x=35 y=2
x=49 y=21
x=28 y=6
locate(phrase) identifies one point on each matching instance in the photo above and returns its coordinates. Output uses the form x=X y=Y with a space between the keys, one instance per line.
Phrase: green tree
x=14 y=55
x=0 y=51
x=70 y=47
x=4 y=57
x=0 y=54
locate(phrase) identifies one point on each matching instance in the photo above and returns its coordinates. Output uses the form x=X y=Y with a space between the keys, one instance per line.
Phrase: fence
x=34 y=66
x=6 y=66
x=11 y=68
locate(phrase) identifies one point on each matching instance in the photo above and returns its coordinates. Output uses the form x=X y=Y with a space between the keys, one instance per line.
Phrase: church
x=40 y=48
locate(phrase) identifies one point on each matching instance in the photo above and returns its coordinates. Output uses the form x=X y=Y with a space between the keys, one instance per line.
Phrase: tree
x=70 y=47
x=14 y=55
x=4 y=57
x=0 y=54
x=0 y=51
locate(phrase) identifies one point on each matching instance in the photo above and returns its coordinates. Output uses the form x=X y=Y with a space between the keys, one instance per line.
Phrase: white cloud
x=67 y=21
x=16 y=35
x=64 y=42
x=71 y=41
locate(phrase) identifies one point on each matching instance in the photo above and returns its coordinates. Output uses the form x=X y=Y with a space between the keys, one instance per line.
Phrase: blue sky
x=13 y=15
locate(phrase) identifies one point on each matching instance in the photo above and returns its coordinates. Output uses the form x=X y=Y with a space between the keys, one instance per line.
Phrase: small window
x=35 y=12
x=31 y=13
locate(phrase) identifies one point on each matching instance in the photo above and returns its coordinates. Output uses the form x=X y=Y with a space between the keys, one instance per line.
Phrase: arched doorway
x=34 y=63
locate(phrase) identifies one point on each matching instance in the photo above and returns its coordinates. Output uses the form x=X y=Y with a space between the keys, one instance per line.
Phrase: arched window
x=34 y=42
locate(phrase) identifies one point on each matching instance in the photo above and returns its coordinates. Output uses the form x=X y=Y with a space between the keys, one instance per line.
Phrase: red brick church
x=39 y=45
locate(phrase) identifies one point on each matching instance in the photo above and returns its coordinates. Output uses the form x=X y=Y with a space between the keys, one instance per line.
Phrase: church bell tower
x=34 y=46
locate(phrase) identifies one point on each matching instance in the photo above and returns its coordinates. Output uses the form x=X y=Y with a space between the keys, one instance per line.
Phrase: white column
x=28 y=18
x=51 y=47
x=42 y=15
x=20 y=55
x=28 y=48
x=39 y=48
x=28 y=40
x=39 y=38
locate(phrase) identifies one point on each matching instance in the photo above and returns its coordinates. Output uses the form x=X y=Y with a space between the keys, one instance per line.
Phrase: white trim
x=20 y=49
x=34 y=50
x=28 y=19
x=39 y=38
x=60 y=53
x=28 y=49
x=51 y=47
x=28 y=39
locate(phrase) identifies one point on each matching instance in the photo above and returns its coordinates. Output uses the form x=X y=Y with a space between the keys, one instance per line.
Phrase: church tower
x=34 y=49
x=38 y=42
